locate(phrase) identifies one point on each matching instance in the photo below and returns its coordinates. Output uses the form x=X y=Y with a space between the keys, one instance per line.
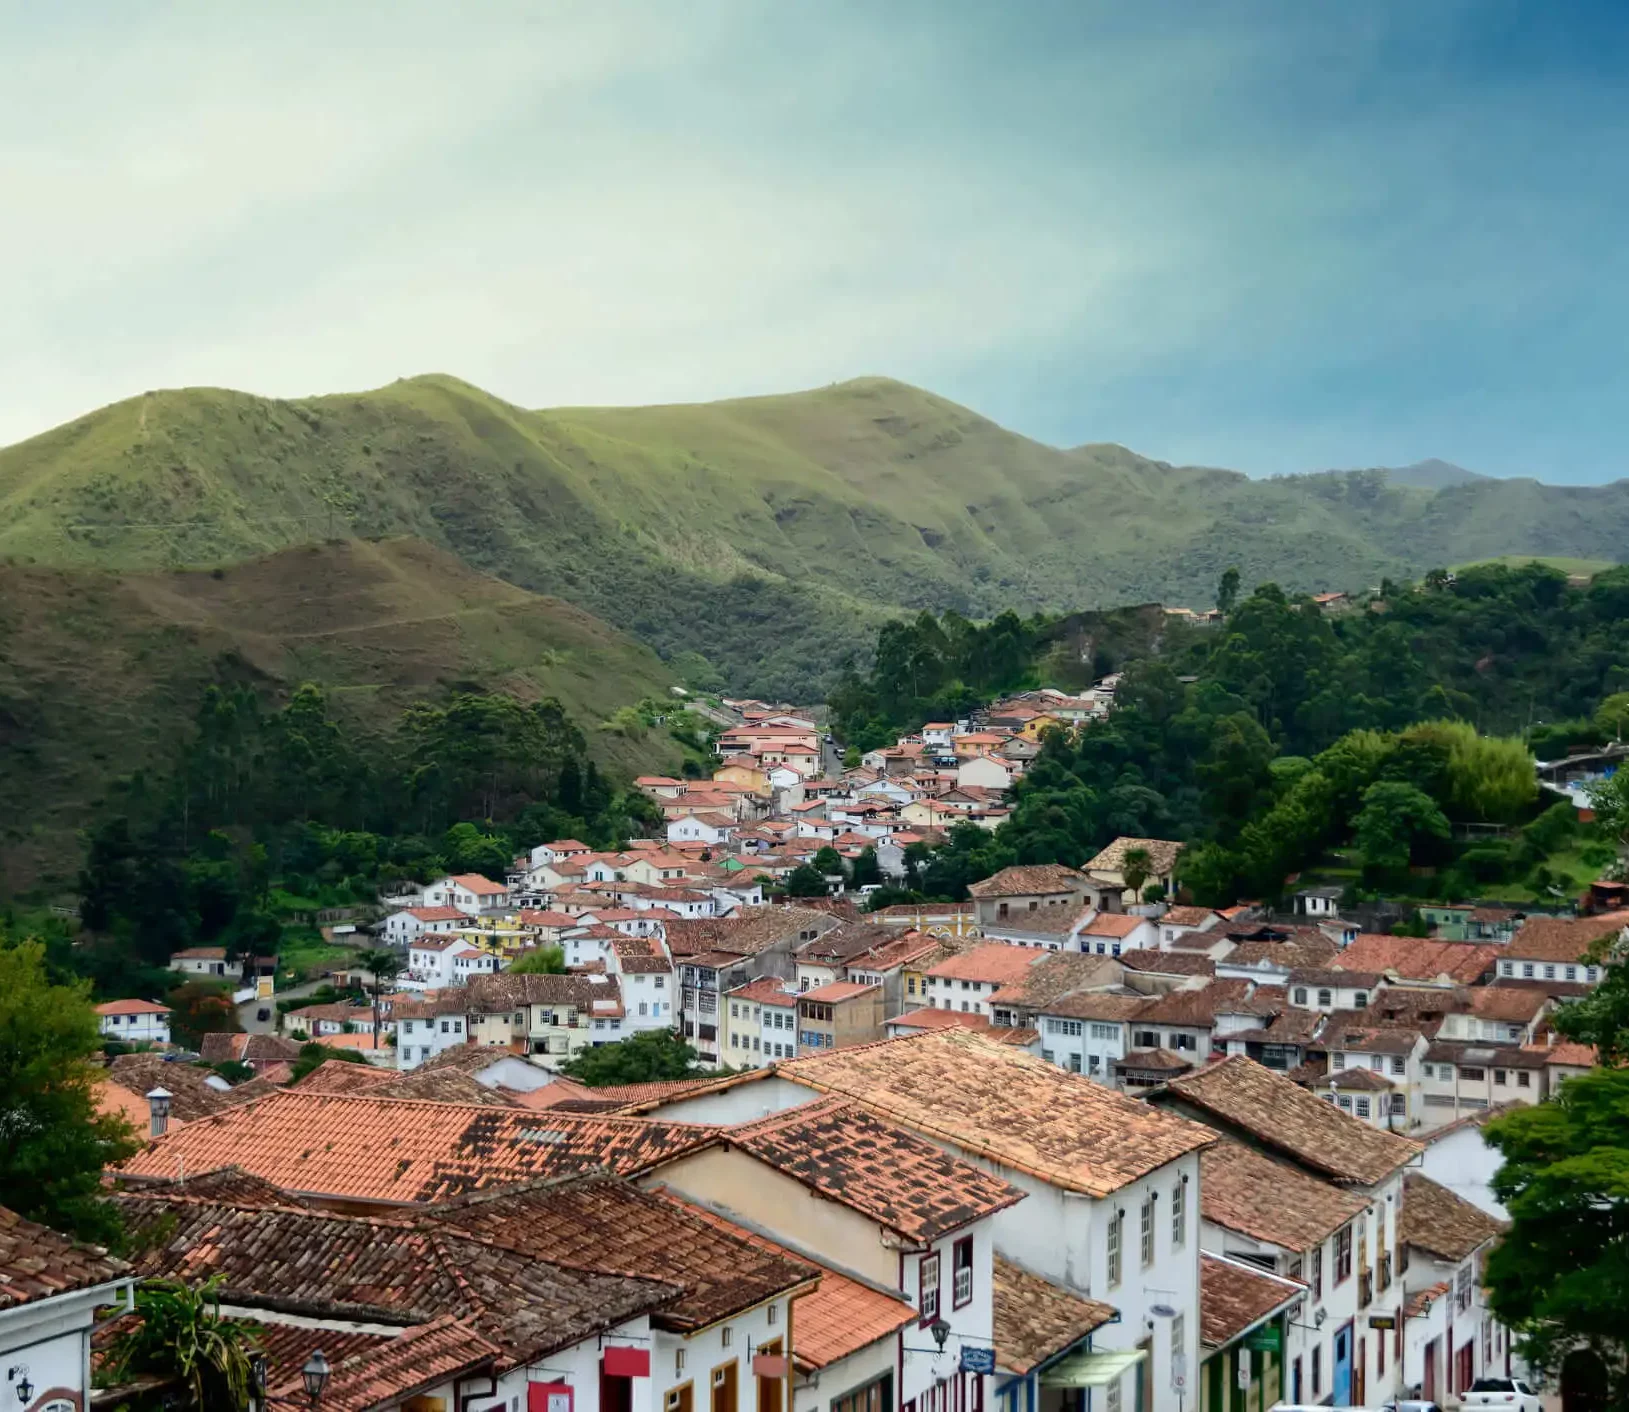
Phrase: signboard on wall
x=548 y=1397
x=977 y=1360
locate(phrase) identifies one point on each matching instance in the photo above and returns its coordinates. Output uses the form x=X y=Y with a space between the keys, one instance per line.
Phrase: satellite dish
x=1162 y=1311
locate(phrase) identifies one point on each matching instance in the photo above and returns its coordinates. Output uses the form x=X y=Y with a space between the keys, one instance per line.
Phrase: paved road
x=249 y=1011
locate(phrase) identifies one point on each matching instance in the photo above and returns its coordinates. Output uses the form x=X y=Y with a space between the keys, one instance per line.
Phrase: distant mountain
x=1434 y=475
x=770 y=534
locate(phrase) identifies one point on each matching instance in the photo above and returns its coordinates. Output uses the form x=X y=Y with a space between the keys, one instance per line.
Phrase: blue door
x=1343 y=1366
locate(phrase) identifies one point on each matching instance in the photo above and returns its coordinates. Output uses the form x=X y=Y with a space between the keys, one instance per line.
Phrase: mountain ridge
x=767 y=534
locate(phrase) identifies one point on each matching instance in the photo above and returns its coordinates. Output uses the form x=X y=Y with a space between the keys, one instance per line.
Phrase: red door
x=1465 y=1360
x=1429 y=1391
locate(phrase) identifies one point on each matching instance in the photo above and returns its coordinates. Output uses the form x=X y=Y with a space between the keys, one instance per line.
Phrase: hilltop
x=760 y=532
x=101 y=673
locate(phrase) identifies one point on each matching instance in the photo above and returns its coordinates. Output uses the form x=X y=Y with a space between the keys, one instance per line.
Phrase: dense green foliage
x=314 y=1054
x=56 y=1141
x=181 y=1337
x=649 y=1057
x=1271 y=739
x=294 y=802
x=540 y=961
x=1560 y=1275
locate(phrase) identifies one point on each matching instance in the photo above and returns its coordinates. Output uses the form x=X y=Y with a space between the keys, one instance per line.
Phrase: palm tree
x=1135 y=870
x=383 y=965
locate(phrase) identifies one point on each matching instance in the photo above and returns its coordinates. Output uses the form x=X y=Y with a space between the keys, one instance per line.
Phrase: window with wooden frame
x=961 y=1266
x=1146 y=1230
x=1116 y=1223
x=1343 y=1254
x=927 y=1288
x=1179 y=1217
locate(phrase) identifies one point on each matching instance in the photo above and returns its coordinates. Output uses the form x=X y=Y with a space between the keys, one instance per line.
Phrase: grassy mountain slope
x=768 y=533
x=101 y=673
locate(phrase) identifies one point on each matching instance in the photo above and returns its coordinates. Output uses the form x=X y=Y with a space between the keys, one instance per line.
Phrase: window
x=1425 y=1071
x=1300 y=995
x=910 y=985
x=1146 y=1232
x=1360 y=999
x=927 y=1287
x=726 y=1336
x=1116 y=1229
x=1325 y=999
x=773 y=1315
x=1317 y=1371
x=1111 y=1397
x=1524 y=1079
x=1376 y=1063
x=1183 y=1041
x=1398 y=1064
x=1572 y=973
x=1462 y=1291
x=1105 y=1031
x=1399 y=1105
x=1345 y=1101
x=1343 y=1254
x=1049 y=1056
x=678 y=1361
x=1549 y=973
x=1474 y=1076
x=961 y=1282
x=1179 y=1337
x=1527 y=970
x=875 y=1396
x=1501 y=1077
x=1074 y=1063
x=1146 y=1039
x=1337 y=1061
x=1318 y=1272
x=1179 y=1224
x=1363 y=1107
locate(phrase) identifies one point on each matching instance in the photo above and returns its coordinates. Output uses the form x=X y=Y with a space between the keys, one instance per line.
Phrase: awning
x=1091 y=1369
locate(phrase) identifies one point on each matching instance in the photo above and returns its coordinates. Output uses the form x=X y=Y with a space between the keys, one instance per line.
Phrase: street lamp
x=940 y=1329
x=315 y=1373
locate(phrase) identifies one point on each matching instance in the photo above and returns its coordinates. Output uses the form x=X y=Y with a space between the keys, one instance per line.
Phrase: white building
x=134 y=1021
x=54 y=1286
x=199 y=961
x=1454 y=1338
x=408 y=925
x=1353 y=1280
x=1112 y=1212
x=470 y=893
x=712 y=829
x=429 y=1025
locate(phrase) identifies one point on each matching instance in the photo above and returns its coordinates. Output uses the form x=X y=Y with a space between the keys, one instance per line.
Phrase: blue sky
x=1277 y=235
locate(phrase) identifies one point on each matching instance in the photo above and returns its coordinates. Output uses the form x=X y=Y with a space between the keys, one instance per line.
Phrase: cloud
x=1257 y=233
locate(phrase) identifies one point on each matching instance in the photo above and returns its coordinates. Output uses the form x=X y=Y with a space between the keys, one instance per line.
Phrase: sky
x=1275 y=235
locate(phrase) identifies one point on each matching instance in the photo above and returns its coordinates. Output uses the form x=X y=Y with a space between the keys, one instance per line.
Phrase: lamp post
x=315 y=1373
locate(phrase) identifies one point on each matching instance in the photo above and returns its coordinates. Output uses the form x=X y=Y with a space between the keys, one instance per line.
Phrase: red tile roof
x=474 y=882
x=1036 y=1320
x=413 y=1362
x=1233 y=1298
x=1242 y=1094
x=1246 y=1191
x=1033 y=881
x=603 y=1224
x=767 y=991
x=132 y=1007
x=437 y=914
x=911 y=1186
x=1441 y=1222
x=400 y=1151
x=995 y=1102
x=835 y=992
x=1115 y=924
x=992 y=961
x=1417 y=958
x=37 y=1263
x=1562 y=938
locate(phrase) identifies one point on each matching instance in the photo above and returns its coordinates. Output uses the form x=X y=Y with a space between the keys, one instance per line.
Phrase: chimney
x=158 y=1108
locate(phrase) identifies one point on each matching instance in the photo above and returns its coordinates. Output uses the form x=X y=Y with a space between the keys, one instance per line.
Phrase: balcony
x=1365 y=1289
x=1383 y=1265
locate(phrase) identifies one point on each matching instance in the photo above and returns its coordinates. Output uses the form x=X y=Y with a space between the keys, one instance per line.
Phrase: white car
x=1506 y=1394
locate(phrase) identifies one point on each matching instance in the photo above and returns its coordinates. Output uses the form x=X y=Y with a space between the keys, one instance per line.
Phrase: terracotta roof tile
x=1057 y=974
x=392 y=1272
x=1508 y=1003
x=1233 y=1297
x=1418 y=958
x=1242 y=1094
x=603 y=1224
x=1583 y=1056
x=1113 y=924
x=132 y=1007
x=1246 y=1191
x=915 y=1188
x=247 y=1048
x=480 y=886
x=1200 y=1007
x=393 y=1369
x=1162 y=855
x=1562 y=938
x=1035 y=880
x=37 y=1263
x=991 y=961
x=1186 y=916
x=1036 y=1320
x=1168 y=963
x=961 y=1089
x=835 y=992
x=400 y=1151
x=225 y=1186
x=192 y=1096
x=1441 y=1222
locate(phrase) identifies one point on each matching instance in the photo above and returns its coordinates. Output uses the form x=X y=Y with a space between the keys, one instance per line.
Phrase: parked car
x=1507 y=1394
x=263 y=1014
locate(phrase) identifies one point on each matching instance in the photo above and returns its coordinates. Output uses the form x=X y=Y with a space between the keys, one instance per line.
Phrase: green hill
x=768 y=534
x=101 y=674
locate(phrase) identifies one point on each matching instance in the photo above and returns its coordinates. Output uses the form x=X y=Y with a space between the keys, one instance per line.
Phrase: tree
x=806 y=881
x=1559 y=1275
x=181 y=1337
x=1609 y=798
x=642 y=1058
x=851 y=758
x=313 y=1054
x=1394 y=819
x=540 y=961
x=1135 y=868
x=200 y=1007
x=383 y=965
x=866 y=871
x=57 y=1141
x=828 y=862
x=1612 y=715
x=1227 y=591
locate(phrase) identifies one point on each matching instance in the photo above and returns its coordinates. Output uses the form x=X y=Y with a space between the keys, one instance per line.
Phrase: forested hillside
x=101 y=673
x=747 y=540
